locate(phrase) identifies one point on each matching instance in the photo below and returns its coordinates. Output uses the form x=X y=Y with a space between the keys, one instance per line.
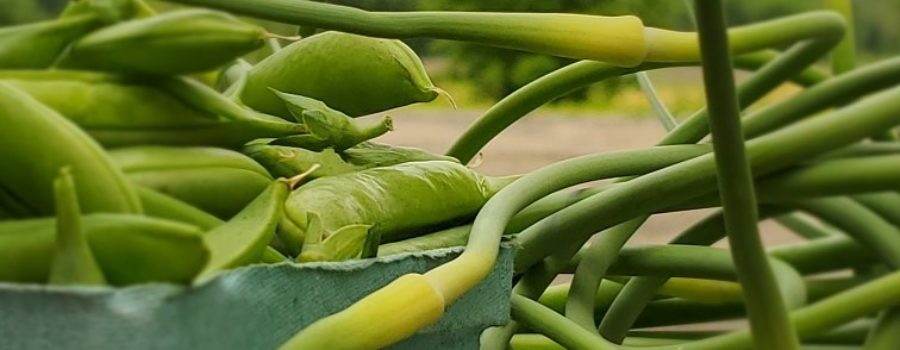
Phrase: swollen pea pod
x=243 y=239
x=288 y=161
x=36 y=141
x=73 y=261
x=172 y=43
x=395 y=201
x=354 y=74
x=160 y=205
x=39 y=45
x=218 y=181
x=120 y=112
x=327 y=127
x=130 y=249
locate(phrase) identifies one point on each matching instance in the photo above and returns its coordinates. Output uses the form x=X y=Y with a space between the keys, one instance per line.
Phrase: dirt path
x=543 y=139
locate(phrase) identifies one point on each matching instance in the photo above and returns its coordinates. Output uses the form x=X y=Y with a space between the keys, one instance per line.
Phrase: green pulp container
x=255 y=307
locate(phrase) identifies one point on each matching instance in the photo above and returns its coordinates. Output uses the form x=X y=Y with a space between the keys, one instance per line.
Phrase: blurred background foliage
x=487 y=74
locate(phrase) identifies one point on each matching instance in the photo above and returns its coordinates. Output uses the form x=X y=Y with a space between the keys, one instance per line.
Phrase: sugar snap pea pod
x=354 y=74
x=173 y=43
x=328 y=128
x=288 y=161
x=272 y=256
x=109 y=11
x=163 y=206
x=243 y=239
x=38 y=45
x=36 y=141
x=218 y=181
x=73 y=262
x=129 y=249
x=119 y=112
x=290 y=236
x=14 y=207
x=396 y=201
x=451 y=237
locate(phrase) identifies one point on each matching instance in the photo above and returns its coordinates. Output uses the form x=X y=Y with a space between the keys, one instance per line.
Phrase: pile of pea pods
x=142 y=146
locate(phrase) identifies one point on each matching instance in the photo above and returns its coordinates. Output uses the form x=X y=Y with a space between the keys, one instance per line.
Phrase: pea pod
x=39 y=45
x=36 y=141
x=396 y=201
x=272 y=256
x=13 y=207
x=173 y=43
x=129 y=249
x=109 y=11
x=163 y=206
x=354 y=74
x=217 y=181
x=451 y=237
x=73 y=262
x=327 y=128
x=120 y=112
x=243 y=239
x=288 y=161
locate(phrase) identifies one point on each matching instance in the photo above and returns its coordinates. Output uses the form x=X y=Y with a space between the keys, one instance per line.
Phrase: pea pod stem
x=73 y=261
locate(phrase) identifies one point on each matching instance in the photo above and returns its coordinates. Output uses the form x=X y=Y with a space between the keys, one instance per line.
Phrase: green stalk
x=598 y=257
x=824 y=255
x=691 y=178
x=765 y=308
x=843 y=58
x=659 y=108
x=886 y=204
x=871 y=78
x=814 y=319
x=752 y=61
x=803 y=227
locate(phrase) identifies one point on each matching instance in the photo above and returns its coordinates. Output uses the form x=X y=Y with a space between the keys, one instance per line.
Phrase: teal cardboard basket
x=255 y=307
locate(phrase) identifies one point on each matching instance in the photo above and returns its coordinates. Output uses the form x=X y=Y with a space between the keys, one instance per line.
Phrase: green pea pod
x=13 y=207
x=173 y=43
x=109 y=11
x=288 y=161
x=163 y=206
x=272 y=256
x=119 y=112
x=218 y=181
x=290 y=236
x=73 y=262
x=396 y=201
x=36 y=141
x=354 y=74
x=451 y=237
x=327 y=128
x=130 y=249
x=39 y=45
x=243 y=239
